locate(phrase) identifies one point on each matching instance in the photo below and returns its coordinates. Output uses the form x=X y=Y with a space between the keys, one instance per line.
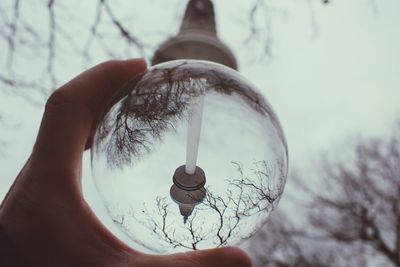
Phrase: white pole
x=193 y=136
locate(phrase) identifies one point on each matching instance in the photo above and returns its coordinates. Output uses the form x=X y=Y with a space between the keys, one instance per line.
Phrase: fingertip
x=136 y=61
x=131 y=70
x=241 y=256
x=72 y=111
x=138 y=65
x=114 y=73
x=221 y=257
x=233 y=256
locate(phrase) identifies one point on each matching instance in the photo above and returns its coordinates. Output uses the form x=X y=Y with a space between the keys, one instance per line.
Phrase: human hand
x=44 y=216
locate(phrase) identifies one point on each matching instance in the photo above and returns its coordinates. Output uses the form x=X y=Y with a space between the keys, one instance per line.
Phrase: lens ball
x=193 y=157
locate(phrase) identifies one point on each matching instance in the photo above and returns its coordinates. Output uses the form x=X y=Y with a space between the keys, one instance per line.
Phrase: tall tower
x=197 y=38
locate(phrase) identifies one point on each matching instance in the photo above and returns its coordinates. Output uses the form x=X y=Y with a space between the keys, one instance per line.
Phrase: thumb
x=73 y=109
x=221 y=257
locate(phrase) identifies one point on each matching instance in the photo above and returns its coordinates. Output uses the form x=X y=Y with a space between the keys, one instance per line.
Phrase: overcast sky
x=325 y=83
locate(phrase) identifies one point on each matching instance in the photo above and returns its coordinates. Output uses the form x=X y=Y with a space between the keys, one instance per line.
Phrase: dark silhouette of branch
x=196 y=235
x=51 y=43
x=260 y=33
x=125 y=33
x=23 y=38
x=11 y=37
x=159 y=100
x=230 y=212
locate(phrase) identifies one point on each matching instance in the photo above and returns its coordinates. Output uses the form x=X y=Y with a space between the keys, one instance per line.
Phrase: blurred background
x=330 y=69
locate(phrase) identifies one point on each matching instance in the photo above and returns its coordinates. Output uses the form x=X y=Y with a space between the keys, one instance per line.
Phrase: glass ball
x=193 y=157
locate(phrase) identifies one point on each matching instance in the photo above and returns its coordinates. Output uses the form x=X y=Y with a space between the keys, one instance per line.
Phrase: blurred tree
x=360 y=205
x=47 y=33
x=354 y=214
x=282 y=243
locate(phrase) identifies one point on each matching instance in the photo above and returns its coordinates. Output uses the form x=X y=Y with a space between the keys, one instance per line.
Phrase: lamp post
x=196 y=39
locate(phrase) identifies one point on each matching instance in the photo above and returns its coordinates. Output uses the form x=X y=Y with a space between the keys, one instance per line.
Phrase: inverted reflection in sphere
x=192 y=158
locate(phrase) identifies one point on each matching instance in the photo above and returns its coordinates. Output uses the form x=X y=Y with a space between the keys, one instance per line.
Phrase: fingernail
x=141 y=61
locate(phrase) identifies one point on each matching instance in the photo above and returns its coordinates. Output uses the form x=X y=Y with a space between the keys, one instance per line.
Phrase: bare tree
x=160 y=99
x=219 y=219
x=361 y=203
x=353 y=214
x=23 y=38
x=283 y=242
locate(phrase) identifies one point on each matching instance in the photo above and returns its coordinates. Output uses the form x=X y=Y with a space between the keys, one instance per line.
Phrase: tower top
x=197 y=38
x=199 y=15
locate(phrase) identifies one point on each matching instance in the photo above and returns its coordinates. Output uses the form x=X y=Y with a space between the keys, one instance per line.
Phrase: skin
x=44 y=218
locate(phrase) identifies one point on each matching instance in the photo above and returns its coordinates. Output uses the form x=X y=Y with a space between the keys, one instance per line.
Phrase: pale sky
x=325 y=86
